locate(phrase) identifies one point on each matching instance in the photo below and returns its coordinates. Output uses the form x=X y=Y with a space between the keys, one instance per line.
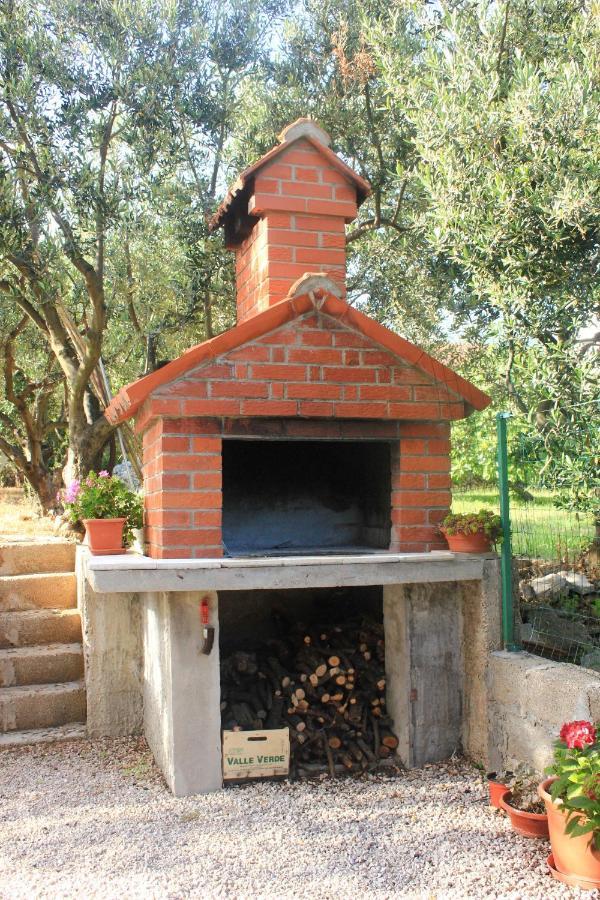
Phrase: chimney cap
x=304 y=127
x=234 y=204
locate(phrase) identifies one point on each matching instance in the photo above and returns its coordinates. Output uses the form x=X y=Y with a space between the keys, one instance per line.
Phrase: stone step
x=71 y=732
x=35 y=557
x=45 y=664
x=41 y=706
x=39 y=626
x=56 y=590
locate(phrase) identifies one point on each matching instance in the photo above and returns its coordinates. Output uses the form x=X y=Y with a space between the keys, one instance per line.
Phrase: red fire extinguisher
x=208 y=631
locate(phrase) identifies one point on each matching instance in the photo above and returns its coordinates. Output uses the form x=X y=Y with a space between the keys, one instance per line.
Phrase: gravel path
x=95 y=820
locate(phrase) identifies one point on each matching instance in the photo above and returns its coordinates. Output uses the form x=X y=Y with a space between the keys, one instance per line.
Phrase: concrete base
x=182 y=695
x=143 y=651
x=112 y=652
x=423 y=669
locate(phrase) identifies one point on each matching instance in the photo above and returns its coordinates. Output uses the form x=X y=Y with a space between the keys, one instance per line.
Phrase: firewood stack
x=327 y=684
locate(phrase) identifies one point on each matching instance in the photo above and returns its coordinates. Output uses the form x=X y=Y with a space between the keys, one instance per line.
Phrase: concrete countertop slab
x=129 y=572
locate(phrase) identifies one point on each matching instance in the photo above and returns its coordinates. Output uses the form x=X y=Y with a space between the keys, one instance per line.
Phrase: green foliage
x=103 y=497
x=475 y=123
x=503 y=104
x=471 y=523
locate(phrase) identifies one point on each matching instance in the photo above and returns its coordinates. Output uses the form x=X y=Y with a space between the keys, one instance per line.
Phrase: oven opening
x=286 y=497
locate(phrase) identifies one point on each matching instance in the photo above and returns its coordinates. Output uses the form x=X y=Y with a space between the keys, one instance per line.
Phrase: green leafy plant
x=577 y=786
x=523 y=790
x=471 y=523
x=101 y=496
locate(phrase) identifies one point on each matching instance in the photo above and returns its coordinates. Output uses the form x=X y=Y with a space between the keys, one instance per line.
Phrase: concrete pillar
x=423 y=624
x=481 y=603
x=112 y=650
x=182 y=691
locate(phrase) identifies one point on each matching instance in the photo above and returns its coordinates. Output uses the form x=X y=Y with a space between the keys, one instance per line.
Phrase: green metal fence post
x=506 y=553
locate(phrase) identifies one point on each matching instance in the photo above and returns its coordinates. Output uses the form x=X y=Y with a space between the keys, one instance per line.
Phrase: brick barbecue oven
x=308 y=427
x=296 y=468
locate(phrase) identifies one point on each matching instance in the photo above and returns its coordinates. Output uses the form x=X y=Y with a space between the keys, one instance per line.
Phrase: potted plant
x=498 y=784
x=107 y=508
x=572 y=798
x=524 y=807
x=472 y=532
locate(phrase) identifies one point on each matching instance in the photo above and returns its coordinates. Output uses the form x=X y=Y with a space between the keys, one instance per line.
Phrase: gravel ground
x=96 y=820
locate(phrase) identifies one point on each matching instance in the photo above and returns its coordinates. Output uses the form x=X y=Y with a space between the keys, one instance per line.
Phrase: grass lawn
x=539 y=529
x=19 y=515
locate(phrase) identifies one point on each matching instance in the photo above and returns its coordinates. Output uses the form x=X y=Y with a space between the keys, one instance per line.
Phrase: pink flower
x=72 y=492
x=577 y=734
x=103 y=474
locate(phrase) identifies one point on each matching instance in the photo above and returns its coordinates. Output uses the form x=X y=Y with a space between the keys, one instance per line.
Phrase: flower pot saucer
x=572 y=880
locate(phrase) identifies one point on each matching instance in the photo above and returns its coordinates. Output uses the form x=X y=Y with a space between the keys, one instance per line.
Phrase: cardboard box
x=256 y=754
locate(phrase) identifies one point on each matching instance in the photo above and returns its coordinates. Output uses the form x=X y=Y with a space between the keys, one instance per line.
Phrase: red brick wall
x=182 y=473
x=182 y=480
x=312 y=367
x=303 y=202
x=312 y=378
x=420 y=486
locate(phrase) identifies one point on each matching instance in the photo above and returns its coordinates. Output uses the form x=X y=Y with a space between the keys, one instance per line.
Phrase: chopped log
x=327 y=684
x=275 y=718
x=328 y=756
x=389 y=740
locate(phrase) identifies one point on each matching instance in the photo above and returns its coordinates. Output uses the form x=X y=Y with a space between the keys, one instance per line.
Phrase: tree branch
x=373 y=224
x=512 y=391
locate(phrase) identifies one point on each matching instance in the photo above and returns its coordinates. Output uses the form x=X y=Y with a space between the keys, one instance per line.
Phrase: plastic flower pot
x=527 y=824
x=469 y=543
x=496 y=789
x=105 y=536
x=573 y=857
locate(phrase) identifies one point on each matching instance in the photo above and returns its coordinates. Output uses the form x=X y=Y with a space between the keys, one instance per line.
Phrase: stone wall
x=529 y=699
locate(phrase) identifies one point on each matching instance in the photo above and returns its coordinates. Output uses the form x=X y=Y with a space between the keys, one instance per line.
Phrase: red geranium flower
x=577 y=734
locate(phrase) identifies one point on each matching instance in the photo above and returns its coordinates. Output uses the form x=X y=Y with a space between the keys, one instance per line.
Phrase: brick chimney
x=286 y=216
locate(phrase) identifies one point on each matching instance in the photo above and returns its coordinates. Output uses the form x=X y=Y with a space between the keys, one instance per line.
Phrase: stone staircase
x=42 y=691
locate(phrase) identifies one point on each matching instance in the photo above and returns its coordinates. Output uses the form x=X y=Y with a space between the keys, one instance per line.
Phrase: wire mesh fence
x=555 y=561
x=561 y=634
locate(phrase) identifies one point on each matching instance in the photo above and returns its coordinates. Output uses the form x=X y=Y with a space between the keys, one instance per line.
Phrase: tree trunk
x=86 y=443
x=44 y=484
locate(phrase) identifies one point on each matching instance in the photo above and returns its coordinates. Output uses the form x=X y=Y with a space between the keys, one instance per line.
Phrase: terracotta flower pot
x=105 y=536
x=468 y=543
x=496 y=789
x=573 y=856
x=532 y=825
